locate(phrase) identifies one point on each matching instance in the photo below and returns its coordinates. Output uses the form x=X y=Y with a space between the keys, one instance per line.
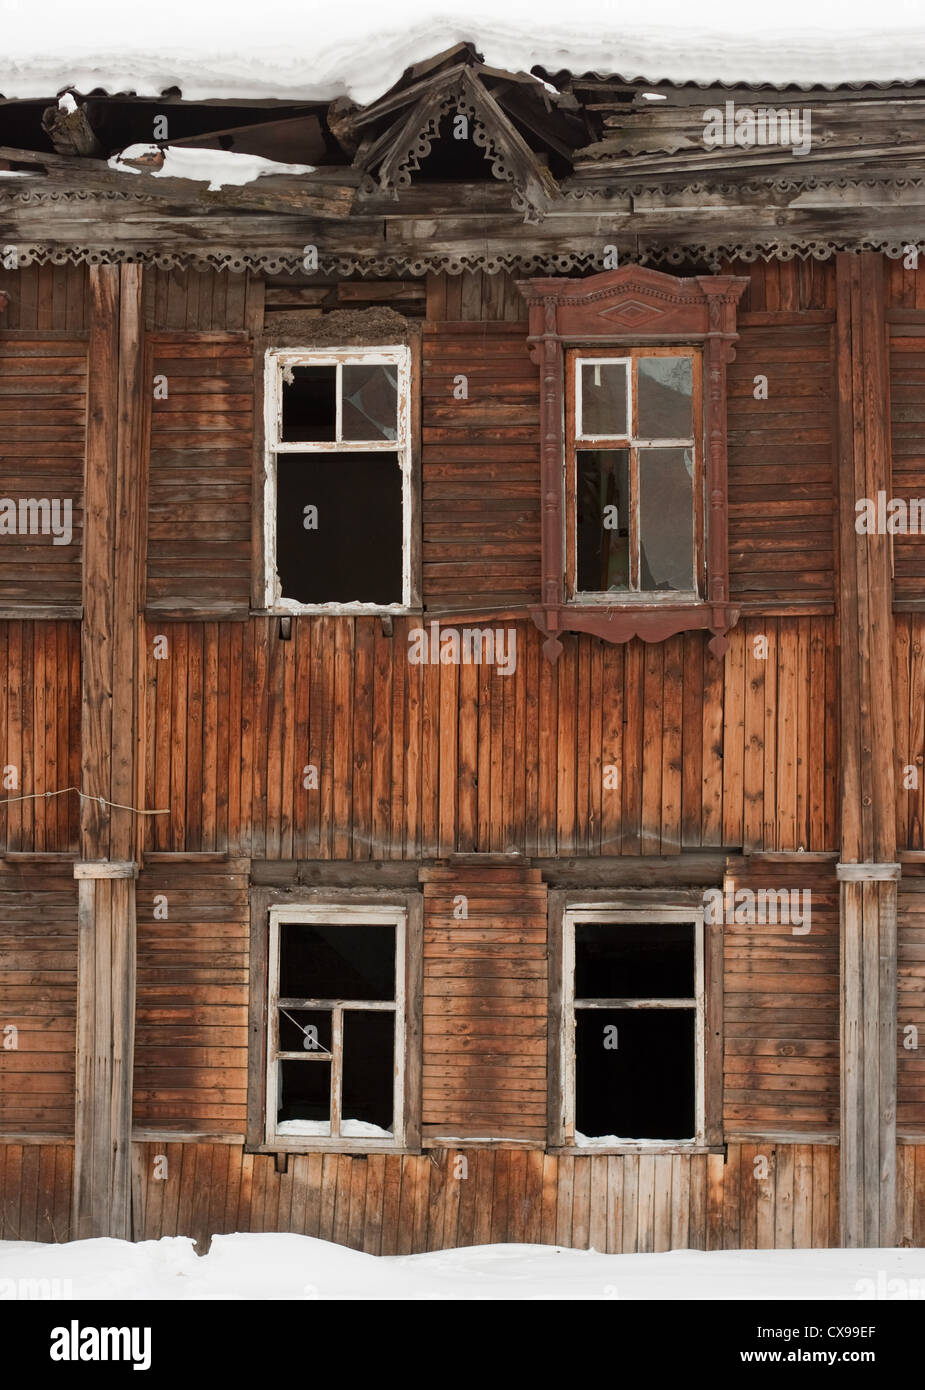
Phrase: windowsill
x=368 y=610
x=633 y=602
x=643 y=1147
x=287 y=1143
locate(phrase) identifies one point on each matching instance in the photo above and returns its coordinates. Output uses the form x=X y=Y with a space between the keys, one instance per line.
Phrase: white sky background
x=316 y=49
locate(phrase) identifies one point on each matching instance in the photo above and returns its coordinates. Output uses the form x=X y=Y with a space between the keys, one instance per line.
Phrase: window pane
x=636 y=1082
x=304 y=1095
x=603 y=399
x=340 y=961
x=664 y=385
x=602 y=519
x=305 y=1030
x=309 y=404
x=630 y=960
x=666 y=519
x=369 y=409
x=351 y=550
x=369 y=1072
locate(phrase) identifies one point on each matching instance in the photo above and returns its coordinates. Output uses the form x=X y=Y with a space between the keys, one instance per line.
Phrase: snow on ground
x=312 y=50
x=300 y=1267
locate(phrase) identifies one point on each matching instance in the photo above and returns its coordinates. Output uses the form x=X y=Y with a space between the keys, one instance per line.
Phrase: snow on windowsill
x=320 y=1129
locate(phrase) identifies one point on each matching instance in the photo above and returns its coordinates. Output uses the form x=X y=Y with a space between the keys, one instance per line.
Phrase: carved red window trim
x=633 y=307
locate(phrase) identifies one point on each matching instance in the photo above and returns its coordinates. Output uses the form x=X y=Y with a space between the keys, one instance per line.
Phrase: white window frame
x=575 y=913
x=275 y=361
x=589 y=598
x=336 y=914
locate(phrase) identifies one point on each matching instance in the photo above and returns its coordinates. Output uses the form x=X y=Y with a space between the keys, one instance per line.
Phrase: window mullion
x=337 y=1069
x=339 y=402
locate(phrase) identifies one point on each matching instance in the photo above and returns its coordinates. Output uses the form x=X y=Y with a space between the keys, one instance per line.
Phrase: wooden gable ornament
x=633 y=306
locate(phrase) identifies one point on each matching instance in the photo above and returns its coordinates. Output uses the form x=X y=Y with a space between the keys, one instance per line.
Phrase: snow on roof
x=314 y=51
x=219 y=167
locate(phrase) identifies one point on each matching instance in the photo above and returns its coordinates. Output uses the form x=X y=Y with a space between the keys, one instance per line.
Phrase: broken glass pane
x=628 y=960
x=305 y=1093
x=664 y=385
x=339 y=527
x=369 y=408
x=369 y=1070
x=666 y=519
x=634 y=1073
x=305 y=1030
x=603 y=400
x=355 y=961
x=602 y=520
x=309 y=404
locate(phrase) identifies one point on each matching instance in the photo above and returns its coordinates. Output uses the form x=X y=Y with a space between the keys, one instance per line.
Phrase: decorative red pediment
x=634 y=306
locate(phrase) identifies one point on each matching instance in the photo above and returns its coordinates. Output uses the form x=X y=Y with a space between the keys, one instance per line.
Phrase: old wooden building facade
x=461 y=740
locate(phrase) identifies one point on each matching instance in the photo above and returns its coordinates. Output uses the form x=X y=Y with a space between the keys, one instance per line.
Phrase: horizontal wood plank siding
x=480 y=467
x=43 y=418
x=38 y=985
x=191 y=1016
x=780 y=996
x=910 y=1002
x=200 y=495
x=39 y=735
x=485 y=1003
x=781 y=463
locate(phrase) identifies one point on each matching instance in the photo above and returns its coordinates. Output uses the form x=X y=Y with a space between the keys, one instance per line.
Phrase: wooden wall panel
x=191 y=1015
x=389 y=1204
x=35 y=1191
x=635 y=749
x=781 y=462
x=38 y=985
x=485 y=1003
x=782 y=287
x=907 y=451
x=910 y=1195
x=39 y=734
x=780 y=1003
x=910 y=1012
x=43 y=416
x=201 y=469
x=909 y=718
x=207 y=300
x=480 y=467
x=46 y=297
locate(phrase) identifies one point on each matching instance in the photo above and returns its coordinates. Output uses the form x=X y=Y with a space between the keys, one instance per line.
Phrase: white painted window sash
x=335 y=914
x=596 y=913
x=276 y=359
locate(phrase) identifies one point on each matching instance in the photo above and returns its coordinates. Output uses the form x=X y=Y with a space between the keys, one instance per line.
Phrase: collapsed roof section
x=462 y=165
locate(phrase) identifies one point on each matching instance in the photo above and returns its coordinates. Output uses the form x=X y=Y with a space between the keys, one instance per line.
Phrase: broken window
x=633 y=1032
x=338 y=479
x=336 y=1019
x=634 y=501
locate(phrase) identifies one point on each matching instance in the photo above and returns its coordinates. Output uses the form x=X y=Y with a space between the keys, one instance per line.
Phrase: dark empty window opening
x=634 y=1009
x=336 y=1011
x=337 y=492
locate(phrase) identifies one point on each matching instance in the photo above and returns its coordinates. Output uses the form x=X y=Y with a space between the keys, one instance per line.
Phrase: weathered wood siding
x=394 y=1205
x=43 y=418
x=35 y=1191
x=429 y=760
x=191 y=1012
x=480 y=467
x=485 y=1005
x=39 y=734
x=200 y=494
x=909 y=717
x=910 y=1011
x=38 y=986
x=780 y=998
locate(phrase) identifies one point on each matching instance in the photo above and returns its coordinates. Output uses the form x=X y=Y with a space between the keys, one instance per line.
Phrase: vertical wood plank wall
x=428 y=761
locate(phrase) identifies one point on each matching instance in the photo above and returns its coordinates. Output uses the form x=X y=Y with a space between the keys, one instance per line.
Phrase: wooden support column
x=868 y=872
x=109 y=731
